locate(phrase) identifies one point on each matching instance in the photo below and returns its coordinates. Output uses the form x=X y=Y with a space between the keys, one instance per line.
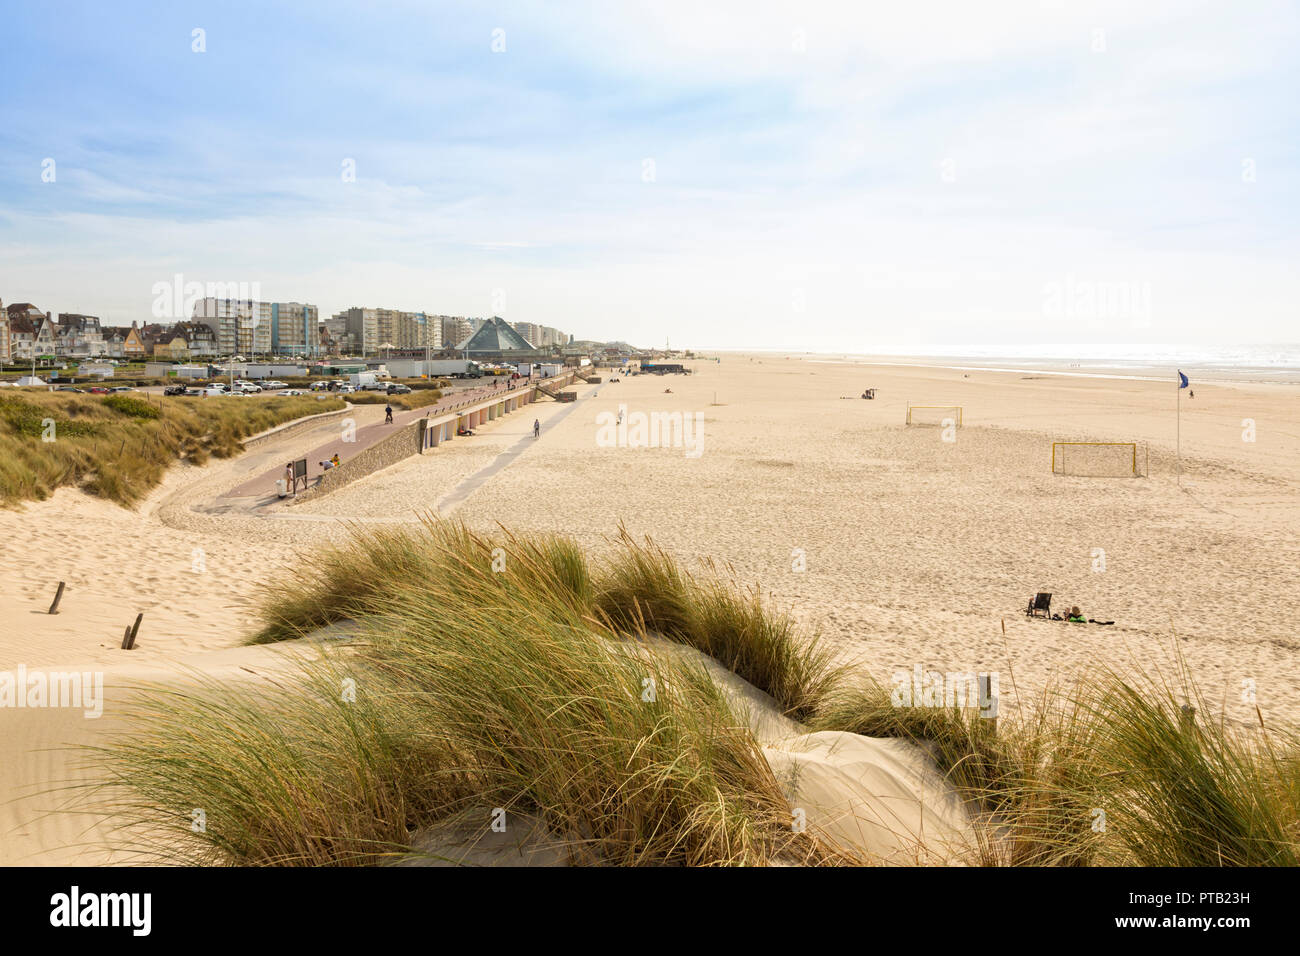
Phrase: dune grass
x=1179 y=789
x=119 y=446
x=639 y=589
x=419 y=398
x=643 y=588
x=1119 y=772
x=512 y=672
x=487 y=689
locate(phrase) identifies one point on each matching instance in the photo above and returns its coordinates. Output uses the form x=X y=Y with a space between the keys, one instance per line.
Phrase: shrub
x=134 y=407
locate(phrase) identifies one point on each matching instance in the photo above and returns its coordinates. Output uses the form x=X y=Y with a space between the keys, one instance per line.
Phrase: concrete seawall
x=403 y=443
x=294 y=427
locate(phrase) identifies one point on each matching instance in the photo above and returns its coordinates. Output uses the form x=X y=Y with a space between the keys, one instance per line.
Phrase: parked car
x=249 y=388
x=347 y=388
x=97 y=390
x=397 y=388
x=121 y=388
x=291 y=391
x=192 y=392
x=70 y=388
x=177 y=390
x=272 y=385
x=320 y=386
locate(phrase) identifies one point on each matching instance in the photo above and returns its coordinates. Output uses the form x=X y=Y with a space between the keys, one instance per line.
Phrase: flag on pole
x=1182 y=384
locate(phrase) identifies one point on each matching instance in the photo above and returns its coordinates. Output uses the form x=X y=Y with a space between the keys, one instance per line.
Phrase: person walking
x=388 y=414
x=537 y=428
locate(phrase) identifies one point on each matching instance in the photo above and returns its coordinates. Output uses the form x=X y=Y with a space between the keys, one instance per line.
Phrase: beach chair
x=1042 y=602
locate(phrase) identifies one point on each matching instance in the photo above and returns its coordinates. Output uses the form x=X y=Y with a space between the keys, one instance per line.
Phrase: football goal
x=1100 y=459
x=934 y=414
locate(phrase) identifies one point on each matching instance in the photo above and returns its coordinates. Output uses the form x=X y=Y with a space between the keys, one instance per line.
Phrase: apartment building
x=294 y=328
x=531 y=333
x=360 y=328
x=239 y=326
x=455 y=330
x=396 y=330
x=430 y=330
x=5 y=354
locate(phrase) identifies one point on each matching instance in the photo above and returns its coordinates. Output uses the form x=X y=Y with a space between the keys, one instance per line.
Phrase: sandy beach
x=900 y=548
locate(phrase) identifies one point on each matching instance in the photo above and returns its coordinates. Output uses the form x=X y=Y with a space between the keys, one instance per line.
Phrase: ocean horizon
x=1278 y=358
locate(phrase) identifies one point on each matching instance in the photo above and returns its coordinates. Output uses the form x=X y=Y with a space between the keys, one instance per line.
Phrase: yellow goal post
x=930 y=412
x=1100 y=459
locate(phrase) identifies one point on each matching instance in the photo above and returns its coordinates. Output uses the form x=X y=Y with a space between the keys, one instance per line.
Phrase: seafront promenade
x=465 y=410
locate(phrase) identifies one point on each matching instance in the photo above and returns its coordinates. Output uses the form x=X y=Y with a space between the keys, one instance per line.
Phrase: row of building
x=363 y=331
x=222 y=327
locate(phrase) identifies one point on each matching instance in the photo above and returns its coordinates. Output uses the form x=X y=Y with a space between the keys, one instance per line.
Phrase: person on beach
x=388 y=414
x=537 y=428
x=1076 y=616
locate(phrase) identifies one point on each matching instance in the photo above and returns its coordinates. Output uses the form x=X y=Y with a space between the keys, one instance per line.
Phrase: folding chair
x=1042 y=602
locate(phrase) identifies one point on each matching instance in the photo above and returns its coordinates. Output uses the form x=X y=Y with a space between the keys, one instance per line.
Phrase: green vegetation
x=419 y=398
x=119 y=446
x=510 y=672
x=474 y=689
x=134 y=407
x=1122 y=773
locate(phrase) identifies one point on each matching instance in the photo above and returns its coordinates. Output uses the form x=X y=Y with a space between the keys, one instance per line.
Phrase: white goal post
x=934 y=414
x=1100 y=459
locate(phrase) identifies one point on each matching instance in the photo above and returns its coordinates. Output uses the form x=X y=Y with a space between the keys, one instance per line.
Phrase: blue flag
x=1182 y=379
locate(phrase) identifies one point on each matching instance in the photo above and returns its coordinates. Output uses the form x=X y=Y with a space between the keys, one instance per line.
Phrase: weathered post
x=54 y=608
x=128 y=642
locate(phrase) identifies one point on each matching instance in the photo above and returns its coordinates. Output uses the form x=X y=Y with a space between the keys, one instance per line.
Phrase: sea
x=1248 y=363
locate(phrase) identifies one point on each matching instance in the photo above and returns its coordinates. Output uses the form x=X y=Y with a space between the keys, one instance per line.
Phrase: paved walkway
x=263 y=484
x=469 y=484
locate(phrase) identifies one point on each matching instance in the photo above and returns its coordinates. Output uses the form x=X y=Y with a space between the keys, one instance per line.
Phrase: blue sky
x=824 y=176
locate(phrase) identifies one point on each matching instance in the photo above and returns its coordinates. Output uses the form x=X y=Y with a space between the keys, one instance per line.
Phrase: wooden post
x=128 y=641
x=986 y=694
x=54 y=608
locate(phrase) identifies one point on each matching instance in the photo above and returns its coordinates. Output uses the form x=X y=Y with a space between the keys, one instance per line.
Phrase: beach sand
x=900 y=548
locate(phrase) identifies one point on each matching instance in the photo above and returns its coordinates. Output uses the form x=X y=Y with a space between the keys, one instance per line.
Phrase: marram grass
x=510 y=673
x=119 y=447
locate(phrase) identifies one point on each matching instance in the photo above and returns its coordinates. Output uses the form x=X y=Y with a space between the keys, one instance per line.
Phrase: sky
x=792 y=176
